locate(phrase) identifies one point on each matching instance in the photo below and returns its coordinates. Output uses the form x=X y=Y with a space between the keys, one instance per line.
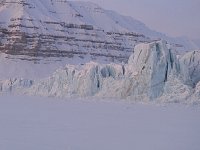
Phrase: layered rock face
x=35 y=30
x=153 y=73
x=44 y=28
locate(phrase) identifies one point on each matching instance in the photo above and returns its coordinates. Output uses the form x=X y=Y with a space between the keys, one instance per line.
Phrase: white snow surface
x=30 y=123
x=153 y=73
x=14 y=67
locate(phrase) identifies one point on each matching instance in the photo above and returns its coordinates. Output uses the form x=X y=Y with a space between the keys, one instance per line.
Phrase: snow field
x=71 y=124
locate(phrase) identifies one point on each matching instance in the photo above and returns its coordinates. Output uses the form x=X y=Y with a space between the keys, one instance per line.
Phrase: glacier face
x=152 y=64
x=190 y=67
x=153 y=73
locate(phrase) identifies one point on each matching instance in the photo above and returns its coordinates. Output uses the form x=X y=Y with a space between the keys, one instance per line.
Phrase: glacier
x=190 y=68
x=154 y=73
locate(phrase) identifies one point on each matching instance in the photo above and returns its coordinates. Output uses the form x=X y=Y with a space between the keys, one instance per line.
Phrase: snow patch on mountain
x=17 y=67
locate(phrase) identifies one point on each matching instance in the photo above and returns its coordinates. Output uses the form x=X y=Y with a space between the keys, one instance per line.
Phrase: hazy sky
x=173 y=17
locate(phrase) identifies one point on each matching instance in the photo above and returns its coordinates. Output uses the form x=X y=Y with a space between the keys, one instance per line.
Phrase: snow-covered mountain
x=38 y=29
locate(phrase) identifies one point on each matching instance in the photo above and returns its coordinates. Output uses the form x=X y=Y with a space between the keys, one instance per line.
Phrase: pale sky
x=172 y=17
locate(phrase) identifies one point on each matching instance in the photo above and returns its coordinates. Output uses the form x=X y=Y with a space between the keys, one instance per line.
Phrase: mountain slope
x=63 y=29
x=60 y=28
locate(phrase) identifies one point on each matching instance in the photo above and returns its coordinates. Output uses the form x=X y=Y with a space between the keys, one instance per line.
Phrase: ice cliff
x=153 y=73
x=190 y=67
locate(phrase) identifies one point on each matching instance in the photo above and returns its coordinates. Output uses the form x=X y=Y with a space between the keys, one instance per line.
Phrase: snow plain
x=35 y=123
